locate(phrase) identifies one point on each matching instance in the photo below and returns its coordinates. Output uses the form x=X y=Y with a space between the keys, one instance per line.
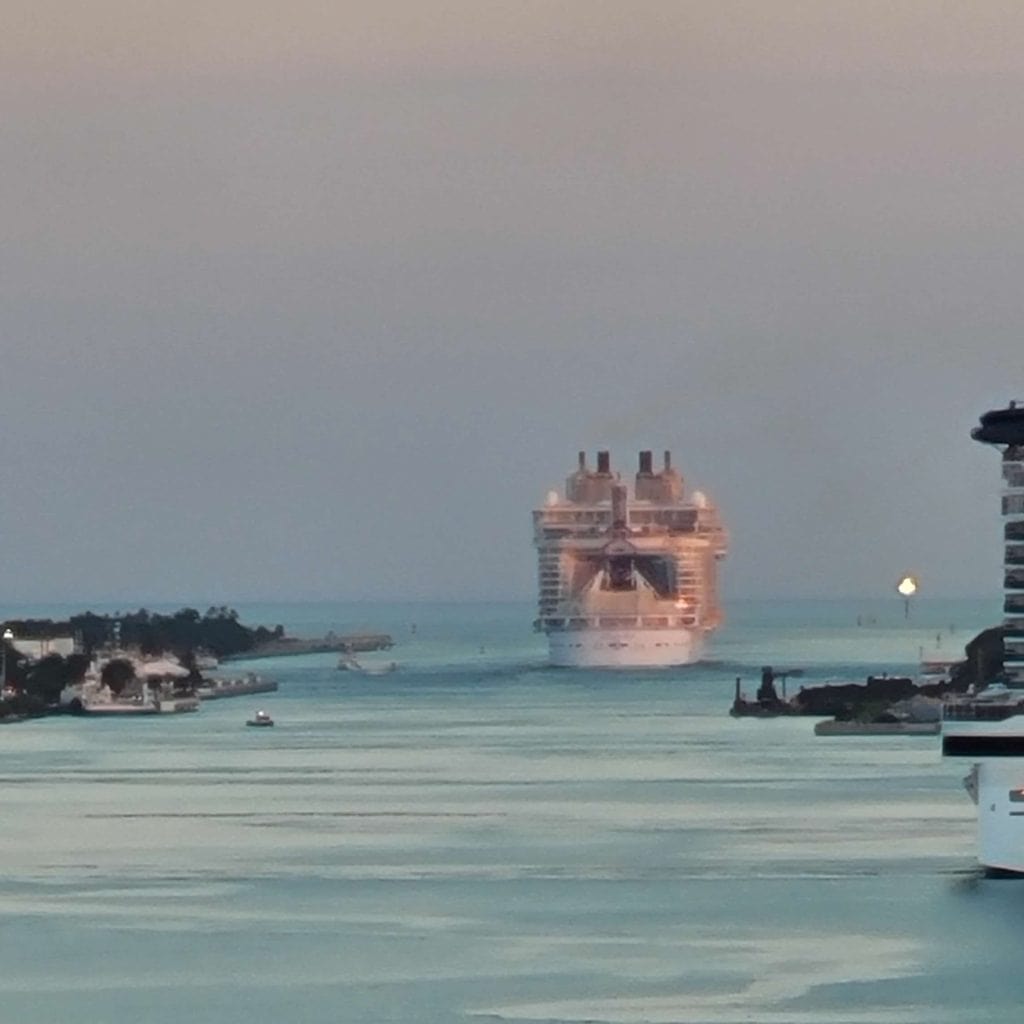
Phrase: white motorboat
x=347 y=663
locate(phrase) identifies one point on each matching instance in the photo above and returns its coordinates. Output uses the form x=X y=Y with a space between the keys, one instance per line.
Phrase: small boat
x=938 y=670
x=347 y=663
x=260 y=718
x=380 y=668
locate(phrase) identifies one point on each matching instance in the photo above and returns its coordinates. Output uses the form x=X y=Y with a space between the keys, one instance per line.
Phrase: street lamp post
x=907 y=588
x=8 y=637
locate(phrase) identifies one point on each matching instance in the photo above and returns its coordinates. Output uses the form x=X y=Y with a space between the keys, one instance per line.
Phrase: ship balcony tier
x=593 y=544
x=1014 y=554
x=978 y=729
x=550 y=536
x=1013 y=604
x=569 y=513
x=569 y=623
x=685 y=519
x=981 y=728
x=1013 y=504
x=1014 y=580
x=1014 y=531
x=983 y=711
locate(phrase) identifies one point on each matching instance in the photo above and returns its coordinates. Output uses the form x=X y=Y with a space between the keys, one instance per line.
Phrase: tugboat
x=261 y=718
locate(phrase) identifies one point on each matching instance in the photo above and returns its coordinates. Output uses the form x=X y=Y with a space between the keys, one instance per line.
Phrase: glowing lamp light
x=907 y=588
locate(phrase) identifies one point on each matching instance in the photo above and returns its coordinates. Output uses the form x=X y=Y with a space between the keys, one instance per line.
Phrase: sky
x=317 y=300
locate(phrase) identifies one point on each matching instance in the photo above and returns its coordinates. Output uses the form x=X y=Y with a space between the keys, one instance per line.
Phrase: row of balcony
x=569 y=624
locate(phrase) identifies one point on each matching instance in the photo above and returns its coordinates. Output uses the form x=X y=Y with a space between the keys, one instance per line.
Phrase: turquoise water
x=479 y=838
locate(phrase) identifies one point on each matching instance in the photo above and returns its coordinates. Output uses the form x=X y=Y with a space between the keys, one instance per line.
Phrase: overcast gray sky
x=318 y=300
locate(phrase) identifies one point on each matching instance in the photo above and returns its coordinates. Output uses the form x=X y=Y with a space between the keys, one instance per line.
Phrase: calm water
x=478 y=838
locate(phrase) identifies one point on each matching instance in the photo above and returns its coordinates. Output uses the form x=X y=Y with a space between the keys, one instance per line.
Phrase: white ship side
x=989 y=730
x=627 y=579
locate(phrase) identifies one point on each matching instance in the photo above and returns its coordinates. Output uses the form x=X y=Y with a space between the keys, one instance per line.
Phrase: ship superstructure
x=627 y=578
x=988 y=727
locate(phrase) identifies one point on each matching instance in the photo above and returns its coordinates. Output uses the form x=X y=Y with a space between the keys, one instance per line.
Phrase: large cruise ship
x=988 y=727
x=627 y=579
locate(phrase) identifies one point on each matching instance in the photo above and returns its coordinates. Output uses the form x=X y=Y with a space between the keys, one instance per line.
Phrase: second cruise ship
x=627 y=579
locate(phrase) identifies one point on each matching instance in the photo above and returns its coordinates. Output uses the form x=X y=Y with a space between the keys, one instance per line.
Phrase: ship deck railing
x=570 y=623
x=981 y=711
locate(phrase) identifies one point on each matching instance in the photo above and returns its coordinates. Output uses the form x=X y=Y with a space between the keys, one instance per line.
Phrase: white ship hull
x=998 y=786
x=627 y=580
x=988 y=728
x=625 y=648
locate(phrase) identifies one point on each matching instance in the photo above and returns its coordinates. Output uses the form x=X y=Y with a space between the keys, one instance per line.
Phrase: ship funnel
x=645 y=462
x=603 y=463
x=619 y=507
x=583 y=462
x=668 y=461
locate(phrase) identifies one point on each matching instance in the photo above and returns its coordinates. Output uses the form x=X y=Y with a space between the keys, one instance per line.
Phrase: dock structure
x=218 y=689
x=1004 y=428
x=347 y=643
x=833 y=727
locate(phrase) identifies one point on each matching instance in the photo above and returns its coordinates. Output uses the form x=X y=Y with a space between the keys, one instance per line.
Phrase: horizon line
x=136 y=602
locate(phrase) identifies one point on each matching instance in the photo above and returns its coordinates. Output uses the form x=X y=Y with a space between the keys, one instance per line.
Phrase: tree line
x=181 y=633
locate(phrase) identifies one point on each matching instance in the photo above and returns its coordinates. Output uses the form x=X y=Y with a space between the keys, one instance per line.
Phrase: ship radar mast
x=1004 y=428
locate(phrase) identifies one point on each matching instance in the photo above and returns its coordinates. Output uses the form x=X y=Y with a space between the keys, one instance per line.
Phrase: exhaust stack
x=620 y=507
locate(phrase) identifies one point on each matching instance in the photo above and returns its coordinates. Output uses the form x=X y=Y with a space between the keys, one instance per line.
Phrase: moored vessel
x=627 y=579
x=988 y=727
x=92 y=699
x=217 y=689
